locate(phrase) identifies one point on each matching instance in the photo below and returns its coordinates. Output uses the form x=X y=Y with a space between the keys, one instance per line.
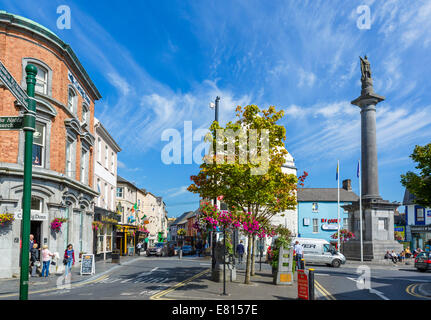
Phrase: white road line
x=127 y=280
x=380 y=294
x=154 y=269
x=126 y=294
x=322 y=274
x=164 y=280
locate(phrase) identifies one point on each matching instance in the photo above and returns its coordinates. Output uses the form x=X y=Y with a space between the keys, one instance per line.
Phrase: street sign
x=302 y=285
x=13 y=86
x=11 y=123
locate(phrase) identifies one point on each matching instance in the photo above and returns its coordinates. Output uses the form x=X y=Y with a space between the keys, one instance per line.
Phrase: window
x=112 y=161
x=36 y=204
x=106 y=196
x=106 y=157
x=85 y=114
x=99 y=150
x=112 y=198
x=100 y=193
x=38 y=145
x=315 y=225
x=71 y=101
x=84 y=166
x=41 y=80
x=346 y=223
x=69 y=159
x=306 y=221
x=120 y=192
x=315 y=207
x=420 y=214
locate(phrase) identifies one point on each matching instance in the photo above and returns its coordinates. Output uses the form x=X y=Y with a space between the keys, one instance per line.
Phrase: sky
x=158 y=64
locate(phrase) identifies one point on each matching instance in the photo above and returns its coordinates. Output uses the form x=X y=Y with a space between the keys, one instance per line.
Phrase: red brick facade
x=17 y=44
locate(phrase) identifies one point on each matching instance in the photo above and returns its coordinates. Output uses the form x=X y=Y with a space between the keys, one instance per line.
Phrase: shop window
x=108 y=247
x=420 y=217
x=38 y=152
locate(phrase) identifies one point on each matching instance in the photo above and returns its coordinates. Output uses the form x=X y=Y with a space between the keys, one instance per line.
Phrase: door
x=36 y=231
x=327 y=254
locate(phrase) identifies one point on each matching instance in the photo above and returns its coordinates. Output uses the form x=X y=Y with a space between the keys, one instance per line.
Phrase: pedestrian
x=394 y=257
x=69 y=259
x=240 y=250
x=46 y=260
x=34 y=258
x=138 y=248
x=408 y=253
x=199 y=248
x=299 y=250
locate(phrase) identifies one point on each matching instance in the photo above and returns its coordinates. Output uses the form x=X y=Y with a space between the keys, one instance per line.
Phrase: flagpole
x=338 y=189
x=360 y=210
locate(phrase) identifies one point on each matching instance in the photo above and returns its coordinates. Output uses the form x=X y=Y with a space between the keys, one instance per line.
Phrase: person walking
x=34 y=258
x=199 y=248
x=240 y=250
x=138 y=248
x=69 y=259
x=299 y=251
x=46 y=260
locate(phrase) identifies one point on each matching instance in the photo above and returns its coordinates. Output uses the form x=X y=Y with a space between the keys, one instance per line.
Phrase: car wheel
x=336 y=263
x=422 y=270
x=148 y=254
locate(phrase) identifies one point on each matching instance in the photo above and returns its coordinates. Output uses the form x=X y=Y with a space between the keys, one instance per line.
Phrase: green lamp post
x=29 y=128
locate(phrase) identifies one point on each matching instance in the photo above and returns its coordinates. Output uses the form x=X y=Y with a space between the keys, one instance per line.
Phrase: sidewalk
x=261 y=288
x=11 y=286
x=407 y=264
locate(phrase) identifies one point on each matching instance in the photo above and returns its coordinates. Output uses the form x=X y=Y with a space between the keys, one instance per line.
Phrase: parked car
x=320 y=251
x=187 y=250
x=423 y=261
x=159 y=249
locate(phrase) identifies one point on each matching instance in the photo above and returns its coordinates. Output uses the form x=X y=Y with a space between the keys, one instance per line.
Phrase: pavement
x=10 y=286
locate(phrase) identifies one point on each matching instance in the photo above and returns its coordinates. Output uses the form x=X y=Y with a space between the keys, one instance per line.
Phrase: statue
x=365 y=69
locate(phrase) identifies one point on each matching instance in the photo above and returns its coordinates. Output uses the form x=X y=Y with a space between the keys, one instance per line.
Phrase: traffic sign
x=11 y=123
x=13 y=86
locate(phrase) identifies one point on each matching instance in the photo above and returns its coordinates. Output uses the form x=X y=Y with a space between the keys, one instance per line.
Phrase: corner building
x=63 y=165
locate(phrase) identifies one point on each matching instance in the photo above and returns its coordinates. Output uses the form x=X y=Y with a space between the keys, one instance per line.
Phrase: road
x=138 y=280
x=386 y=283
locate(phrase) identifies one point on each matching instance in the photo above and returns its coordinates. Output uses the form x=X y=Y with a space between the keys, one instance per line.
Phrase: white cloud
x=119 y=82
x=306 y=78
x=175 y=192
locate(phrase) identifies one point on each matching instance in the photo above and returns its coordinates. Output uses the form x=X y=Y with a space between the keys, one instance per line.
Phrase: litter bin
x=115 y=256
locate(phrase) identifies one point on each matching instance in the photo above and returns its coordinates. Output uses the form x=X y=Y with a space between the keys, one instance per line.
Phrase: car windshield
x=158 y=245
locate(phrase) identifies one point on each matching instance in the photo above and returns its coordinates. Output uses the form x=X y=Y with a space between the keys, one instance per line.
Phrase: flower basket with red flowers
x=57 y=223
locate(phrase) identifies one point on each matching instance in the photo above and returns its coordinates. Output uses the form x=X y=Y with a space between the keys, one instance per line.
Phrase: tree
x=419 y=185
x=246 y=173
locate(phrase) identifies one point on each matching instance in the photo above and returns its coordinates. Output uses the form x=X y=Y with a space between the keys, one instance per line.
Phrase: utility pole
x=217 y=101
x=29 y=128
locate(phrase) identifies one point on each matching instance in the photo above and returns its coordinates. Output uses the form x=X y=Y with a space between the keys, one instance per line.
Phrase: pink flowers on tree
x=210 y=218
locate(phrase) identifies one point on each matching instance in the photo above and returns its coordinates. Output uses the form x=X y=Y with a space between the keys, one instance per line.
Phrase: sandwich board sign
x=13 y=86
x=88 y=264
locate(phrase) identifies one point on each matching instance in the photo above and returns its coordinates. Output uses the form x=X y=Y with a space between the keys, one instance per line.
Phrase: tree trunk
x=247 y=268
x=253 y=256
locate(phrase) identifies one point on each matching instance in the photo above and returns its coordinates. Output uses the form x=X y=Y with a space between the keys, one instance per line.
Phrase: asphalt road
x=385 y=282
x=138 y=280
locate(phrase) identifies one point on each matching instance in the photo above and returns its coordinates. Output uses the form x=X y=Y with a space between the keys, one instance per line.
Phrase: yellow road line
x=158 y=296
x=54 y=289
x=323 y=291
x=411 y=290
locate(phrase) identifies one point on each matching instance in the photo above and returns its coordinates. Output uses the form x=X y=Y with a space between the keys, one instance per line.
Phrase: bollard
x=311 y=284
x=302 y=264
x=180 y=254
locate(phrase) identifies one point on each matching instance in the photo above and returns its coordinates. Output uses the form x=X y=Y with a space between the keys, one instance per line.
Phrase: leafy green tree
x=257 y=185
x=420 y=184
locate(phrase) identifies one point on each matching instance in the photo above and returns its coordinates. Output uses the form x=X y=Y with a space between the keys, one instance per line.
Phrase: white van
x=320 y=251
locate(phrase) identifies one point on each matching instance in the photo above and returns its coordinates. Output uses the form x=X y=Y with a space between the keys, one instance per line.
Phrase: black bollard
x=311 y=284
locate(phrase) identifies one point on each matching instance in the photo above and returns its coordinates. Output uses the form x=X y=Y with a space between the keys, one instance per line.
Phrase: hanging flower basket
x=6 y=219
x=57 y=223
x=96 y=225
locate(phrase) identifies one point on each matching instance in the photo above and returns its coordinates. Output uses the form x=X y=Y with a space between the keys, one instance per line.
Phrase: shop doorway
x=36 y=231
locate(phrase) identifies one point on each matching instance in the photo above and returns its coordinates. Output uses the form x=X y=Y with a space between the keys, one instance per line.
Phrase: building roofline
x=106 y=135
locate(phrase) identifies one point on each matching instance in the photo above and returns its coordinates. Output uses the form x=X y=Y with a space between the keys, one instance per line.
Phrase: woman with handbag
x=69 y=259
x=34 y=257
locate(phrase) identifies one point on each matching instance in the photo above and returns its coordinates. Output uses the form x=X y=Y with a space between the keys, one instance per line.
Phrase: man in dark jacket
x=240 y=250
x=34 y=257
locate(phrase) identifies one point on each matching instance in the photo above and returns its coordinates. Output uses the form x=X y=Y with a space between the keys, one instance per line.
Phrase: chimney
x=347 y=185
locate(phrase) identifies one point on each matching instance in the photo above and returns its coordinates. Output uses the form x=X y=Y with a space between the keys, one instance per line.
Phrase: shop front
x=126 y=239
x=420 y=236
x=104 y=232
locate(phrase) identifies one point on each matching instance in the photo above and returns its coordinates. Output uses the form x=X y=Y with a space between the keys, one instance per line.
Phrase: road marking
x=126 y=294
x=380 y=294
x=159 y=295
x=323 y=291
x=411 y=290
x=322 y=274
x=127 y=280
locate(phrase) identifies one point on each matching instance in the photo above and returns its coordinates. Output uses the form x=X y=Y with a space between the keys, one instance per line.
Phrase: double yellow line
x=411 y=290
x=158 y=296
x=323 y=291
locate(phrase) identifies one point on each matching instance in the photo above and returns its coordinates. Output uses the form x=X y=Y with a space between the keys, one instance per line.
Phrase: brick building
x=63 y=165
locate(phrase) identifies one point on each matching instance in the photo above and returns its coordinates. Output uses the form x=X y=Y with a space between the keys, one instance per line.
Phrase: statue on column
x=367 y=81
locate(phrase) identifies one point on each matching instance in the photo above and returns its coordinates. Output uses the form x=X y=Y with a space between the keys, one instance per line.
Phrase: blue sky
x=160 y=63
